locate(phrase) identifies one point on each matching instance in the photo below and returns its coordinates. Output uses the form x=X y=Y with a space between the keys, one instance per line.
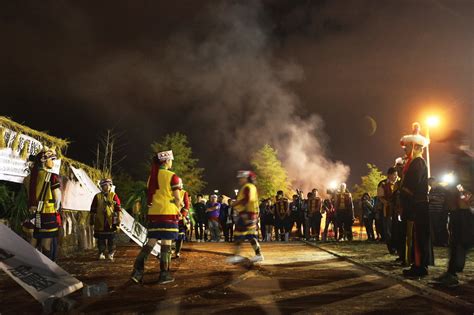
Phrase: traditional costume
x=344 y=213
x=282 y=218
x=163 y=216
x=314 y=205
x=414 y=200
x=105 y=217
x=44 y=200
x=246 y=207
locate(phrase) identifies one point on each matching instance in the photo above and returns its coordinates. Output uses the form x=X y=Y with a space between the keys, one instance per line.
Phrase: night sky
x=233 y=75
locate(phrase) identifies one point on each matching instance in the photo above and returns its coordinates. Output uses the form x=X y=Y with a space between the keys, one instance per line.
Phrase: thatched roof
x=43 y=137
x=60 y=144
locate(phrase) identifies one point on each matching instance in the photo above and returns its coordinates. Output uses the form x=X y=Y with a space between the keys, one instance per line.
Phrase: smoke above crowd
x=224 y=79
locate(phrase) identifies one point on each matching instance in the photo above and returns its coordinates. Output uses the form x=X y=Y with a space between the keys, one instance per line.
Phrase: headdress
x=165 y=156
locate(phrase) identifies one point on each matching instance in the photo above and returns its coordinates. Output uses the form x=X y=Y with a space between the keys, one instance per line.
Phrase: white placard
x=56 y=167
x=12 y=166
x=38 y=275
x=85 y=180
x=78 y=195
x=136 y=231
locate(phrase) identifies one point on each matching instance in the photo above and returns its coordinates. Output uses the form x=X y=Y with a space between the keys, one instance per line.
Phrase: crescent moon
x=372 y=125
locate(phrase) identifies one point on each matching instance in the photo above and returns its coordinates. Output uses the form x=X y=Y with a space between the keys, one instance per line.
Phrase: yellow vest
x=163 y=198
x=48 y=205
x=105 y=209
x=252 y=205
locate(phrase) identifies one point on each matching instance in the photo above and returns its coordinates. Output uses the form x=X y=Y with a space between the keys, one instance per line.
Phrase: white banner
x=12 y=167
x=38 y=275
x=78 y=195
x=85 y=180
x=136 y=231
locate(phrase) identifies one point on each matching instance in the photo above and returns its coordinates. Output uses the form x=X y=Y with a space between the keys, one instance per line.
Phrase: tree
x=184 y=165
x=369 y=182
x=107 y=150
x=271 y=175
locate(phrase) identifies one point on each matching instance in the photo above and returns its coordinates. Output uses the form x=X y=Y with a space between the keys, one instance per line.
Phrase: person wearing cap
x=282 y=217
x=414 y=200
x=344 y=212
x=213 y=211
x=246 y=207
x=164 y=200
x=44 y=201
x=105 y=217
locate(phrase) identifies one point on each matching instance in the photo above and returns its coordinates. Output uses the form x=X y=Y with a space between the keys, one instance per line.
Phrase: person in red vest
x=165 y=203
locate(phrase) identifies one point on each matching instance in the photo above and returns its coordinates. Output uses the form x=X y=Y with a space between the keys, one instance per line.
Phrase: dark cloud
x=234 y=75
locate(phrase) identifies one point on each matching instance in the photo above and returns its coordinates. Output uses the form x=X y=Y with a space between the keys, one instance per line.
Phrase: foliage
x=137 y=203
x=271 y=175
x=14 y=205
x=184 y=165
x=369 y=182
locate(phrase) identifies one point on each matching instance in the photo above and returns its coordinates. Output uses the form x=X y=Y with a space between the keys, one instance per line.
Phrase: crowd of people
x=410 y=213
x=279 y=218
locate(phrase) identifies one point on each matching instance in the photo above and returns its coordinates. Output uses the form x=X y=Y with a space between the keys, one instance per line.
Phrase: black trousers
x=228 y=231
x=379 y=226
x=296 y=220
x=344 y=223
x=439 y=228
x=369 y=228
x=106 y=241
x=461 y=225
x=199 y=230
x=315 y=225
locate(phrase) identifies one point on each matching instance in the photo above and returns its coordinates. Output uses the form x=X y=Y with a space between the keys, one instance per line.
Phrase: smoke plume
x=225 y=76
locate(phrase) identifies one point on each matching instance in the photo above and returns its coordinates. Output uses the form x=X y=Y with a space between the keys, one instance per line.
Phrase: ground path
x=294 y=278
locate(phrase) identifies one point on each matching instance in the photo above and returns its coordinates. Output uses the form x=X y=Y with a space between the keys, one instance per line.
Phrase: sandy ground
x=294 y=278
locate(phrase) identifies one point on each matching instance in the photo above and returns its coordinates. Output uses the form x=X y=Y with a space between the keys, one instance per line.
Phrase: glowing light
x=432 y=121
x=216 y=191
x=333 y=185
x=448 y=178
x=236 y=191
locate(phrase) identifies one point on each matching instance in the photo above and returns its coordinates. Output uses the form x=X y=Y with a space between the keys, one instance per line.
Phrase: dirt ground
x=294 y=278
x=375 y=255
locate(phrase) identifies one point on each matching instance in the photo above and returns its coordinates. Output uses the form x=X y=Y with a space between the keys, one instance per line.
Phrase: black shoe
x=415 y=272
x=137 y=276
x=165 y=277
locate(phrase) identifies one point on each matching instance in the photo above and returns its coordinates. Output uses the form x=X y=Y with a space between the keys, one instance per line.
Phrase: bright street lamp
x=432 y=121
